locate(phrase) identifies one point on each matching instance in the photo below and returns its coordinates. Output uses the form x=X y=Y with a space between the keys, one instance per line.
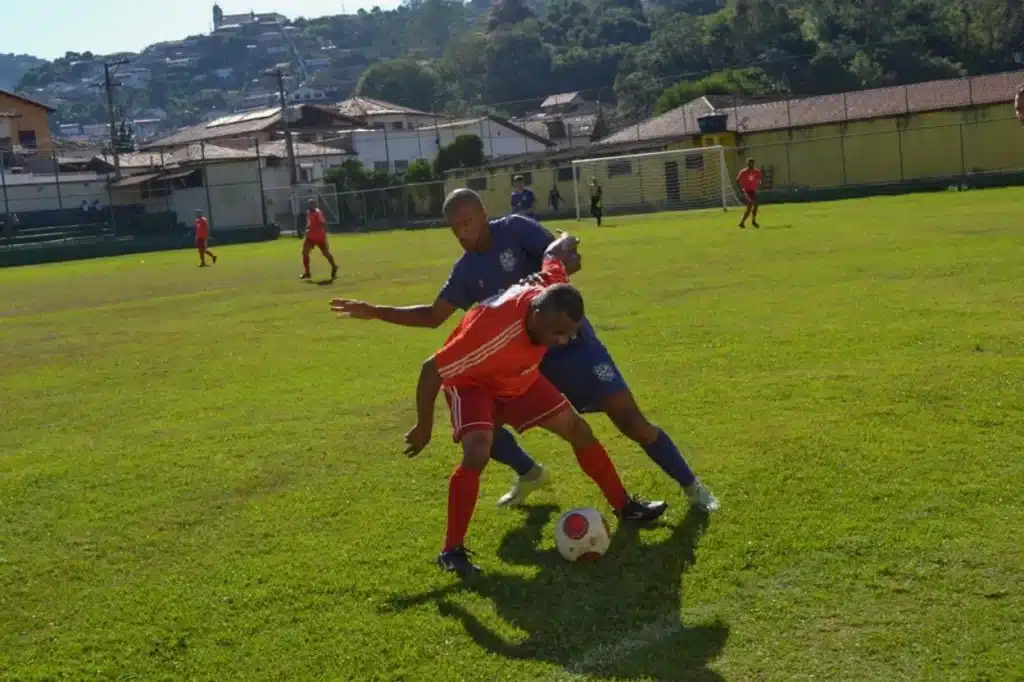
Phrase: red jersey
x=490 y=348
x=202 y=228
x=749 y=179
x=315 y=224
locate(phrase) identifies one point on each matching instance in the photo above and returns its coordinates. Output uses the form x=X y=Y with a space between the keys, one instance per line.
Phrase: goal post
x=675 y=180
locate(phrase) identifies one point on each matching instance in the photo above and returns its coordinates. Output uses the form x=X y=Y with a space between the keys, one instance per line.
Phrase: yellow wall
x=30 y=117
x=890 y=150
x=646 y=183
x=942 y=144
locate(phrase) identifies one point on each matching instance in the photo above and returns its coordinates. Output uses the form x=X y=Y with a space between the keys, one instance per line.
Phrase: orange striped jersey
x=490 y=348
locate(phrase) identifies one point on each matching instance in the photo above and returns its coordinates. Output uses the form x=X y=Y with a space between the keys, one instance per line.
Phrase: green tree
x=465 y=151
x=402 y=81
x=732 y=82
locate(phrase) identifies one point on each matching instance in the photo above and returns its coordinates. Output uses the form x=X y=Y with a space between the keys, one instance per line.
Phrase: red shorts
x=201 y=243
x=316 y=240
x=476 y=409
x=751 y=195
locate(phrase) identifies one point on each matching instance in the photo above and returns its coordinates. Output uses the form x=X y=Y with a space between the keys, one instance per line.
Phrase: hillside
x=14 y=66
x=456 y=57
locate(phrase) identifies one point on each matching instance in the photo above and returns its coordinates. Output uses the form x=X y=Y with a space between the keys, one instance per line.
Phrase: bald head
x=464 y=211
x=458 y=198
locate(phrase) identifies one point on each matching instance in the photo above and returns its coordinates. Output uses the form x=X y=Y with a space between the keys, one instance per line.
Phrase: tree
x=732 y=82
x=401 y=81
x=506 y=13
x=419 y=171
x=465 y=151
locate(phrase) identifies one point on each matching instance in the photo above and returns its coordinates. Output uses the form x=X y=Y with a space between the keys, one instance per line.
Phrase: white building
x=380 y=114
x=393 y=150
x=307 y=94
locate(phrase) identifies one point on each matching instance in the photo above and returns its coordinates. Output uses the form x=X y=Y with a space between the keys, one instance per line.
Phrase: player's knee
x=632 y=424
x=476 y=449
x=579 y=434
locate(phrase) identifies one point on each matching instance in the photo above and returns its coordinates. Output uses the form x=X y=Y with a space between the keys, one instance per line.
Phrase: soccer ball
x=582 y=535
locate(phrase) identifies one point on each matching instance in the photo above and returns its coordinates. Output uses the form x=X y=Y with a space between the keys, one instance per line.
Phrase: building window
x=565 y=174
x=619 y=168
x=27 y=139
x=694 y=162
x=397 y=125
x=378 y=126
x=401 y=165
x=477 y=184
x=381 y=166
x=527 y=177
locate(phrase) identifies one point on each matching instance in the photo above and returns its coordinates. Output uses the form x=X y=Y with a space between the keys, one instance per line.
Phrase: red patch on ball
x=575 y=526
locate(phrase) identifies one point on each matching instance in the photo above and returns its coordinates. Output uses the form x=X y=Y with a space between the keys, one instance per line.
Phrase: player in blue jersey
x=499 y=253
x=523 y=199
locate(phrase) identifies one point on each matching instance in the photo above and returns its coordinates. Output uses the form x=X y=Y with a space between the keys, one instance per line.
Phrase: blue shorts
x=585 y=373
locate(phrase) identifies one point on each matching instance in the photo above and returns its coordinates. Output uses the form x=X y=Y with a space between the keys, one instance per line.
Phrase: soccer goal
x=676 y=180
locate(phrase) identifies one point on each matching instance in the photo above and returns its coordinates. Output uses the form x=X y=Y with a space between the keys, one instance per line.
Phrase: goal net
x=675 y=180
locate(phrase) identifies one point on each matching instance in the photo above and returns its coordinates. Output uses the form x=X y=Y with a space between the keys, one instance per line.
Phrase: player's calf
x=594 y=461
x=463 y=491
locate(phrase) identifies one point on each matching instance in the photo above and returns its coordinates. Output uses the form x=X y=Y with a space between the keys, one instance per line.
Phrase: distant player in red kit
x=488 y=369
x=1018 y=104
x=749 y=180
x=316 y=237
x=202 y=235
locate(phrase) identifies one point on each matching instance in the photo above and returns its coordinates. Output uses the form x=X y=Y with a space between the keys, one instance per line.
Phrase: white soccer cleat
x=701 y=497
x=537 y=478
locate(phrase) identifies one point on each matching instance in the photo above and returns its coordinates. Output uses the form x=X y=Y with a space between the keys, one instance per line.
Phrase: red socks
x=463 y=489
x=595 y=463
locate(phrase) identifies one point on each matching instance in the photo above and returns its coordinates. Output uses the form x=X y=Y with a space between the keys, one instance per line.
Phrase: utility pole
x=278 y=74
x=109 y=86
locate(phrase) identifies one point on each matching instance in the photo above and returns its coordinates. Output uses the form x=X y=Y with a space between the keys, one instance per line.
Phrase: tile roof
x=367 y=106
x=577 y=126
x=26 y=100
x=301 y=149
x=244 y=123
x=850 y=106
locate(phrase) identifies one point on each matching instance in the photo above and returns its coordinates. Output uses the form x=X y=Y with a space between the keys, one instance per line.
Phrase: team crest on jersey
x=508 y=260
x=604 y=372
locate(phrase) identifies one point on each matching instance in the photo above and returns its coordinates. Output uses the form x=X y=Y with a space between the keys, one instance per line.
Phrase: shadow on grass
x=322 y=282
x=617 y=617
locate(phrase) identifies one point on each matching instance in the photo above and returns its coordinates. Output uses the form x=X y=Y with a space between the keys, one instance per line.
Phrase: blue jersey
x=517 y=251
x=523 y=201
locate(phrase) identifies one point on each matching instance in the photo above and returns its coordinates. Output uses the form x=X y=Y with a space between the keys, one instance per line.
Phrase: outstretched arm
x=427 y=388
x=432 y=315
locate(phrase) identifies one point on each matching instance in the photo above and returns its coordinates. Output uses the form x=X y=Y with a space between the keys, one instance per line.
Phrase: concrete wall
x=23 y=194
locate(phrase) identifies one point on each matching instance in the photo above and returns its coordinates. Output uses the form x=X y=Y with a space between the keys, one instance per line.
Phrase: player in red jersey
x=749 y=180
x=316 y=237
x=202 y=235
x=488 y=369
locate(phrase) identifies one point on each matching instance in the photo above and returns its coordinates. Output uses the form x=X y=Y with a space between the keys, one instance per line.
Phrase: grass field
x=201 y=473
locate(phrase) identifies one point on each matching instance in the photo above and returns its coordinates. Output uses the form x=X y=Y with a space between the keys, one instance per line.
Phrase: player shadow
x=617 y=617
x=321 y=282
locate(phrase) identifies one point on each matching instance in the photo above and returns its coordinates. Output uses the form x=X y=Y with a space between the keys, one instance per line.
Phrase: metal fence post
x=56 y=177
x=259 y=176
x=3 y=183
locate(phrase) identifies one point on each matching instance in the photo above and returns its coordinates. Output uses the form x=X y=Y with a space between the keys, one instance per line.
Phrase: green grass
x=201 y=473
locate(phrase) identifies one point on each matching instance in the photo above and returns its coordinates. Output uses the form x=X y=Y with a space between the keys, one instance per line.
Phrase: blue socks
x=667 y=456
x=507 y=451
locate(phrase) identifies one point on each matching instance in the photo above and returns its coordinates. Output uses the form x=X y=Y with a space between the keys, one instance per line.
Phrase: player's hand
x=566 y=249
x=359 y=310
x=417 y=439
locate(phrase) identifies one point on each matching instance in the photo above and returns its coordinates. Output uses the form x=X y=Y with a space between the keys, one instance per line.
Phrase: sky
x=106 y=26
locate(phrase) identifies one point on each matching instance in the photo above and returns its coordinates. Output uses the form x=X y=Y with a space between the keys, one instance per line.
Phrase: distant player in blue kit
x=523 y=199
x=498 y=254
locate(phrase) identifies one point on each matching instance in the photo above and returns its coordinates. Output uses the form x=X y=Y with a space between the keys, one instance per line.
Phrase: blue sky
x=49 y=28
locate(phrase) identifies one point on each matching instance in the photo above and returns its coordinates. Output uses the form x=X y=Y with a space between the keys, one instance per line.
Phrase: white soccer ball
x=582 y=535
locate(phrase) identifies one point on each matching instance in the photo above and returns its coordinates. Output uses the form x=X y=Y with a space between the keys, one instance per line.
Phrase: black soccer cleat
x=457 y=561
x=642 y=511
